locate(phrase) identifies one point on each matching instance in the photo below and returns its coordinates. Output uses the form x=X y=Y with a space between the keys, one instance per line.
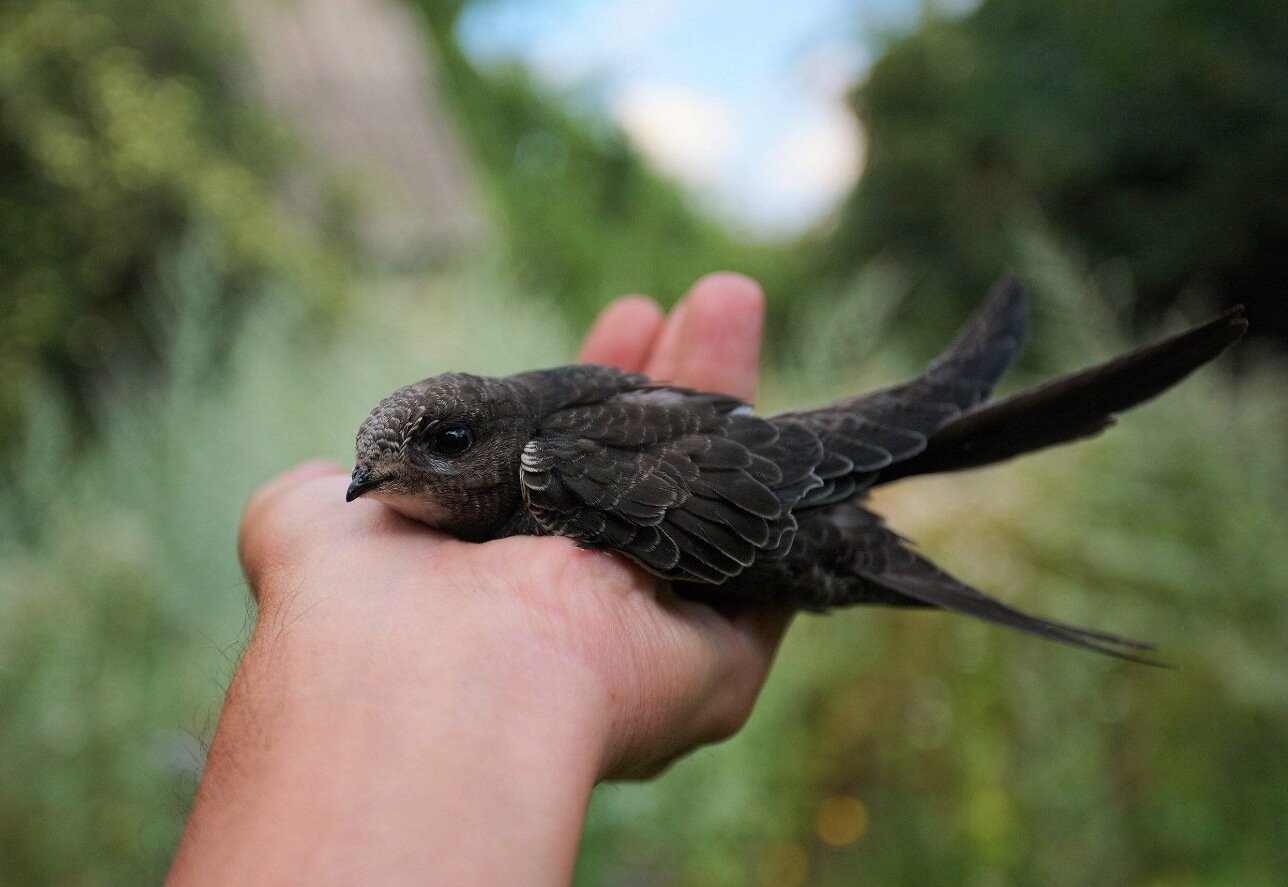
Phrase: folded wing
x=689 y=485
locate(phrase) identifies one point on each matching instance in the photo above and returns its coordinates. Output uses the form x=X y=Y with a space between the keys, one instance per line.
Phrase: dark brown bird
x=733 y=507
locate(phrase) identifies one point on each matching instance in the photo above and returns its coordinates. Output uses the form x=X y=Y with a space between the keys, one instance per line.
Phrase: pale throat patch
x=421 y=508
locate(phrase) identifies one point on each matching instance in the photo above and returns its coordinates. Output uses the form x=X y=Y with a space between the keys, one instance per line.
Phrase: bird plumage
x=730 y=506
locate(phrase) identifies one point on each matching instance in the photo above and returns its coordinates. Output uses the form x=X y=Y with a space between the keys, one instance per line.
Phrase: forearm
x=340 y=760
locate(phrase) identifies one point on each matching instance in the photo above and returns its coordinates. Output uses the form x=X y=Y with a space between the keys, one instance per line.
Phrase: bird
x=735 y=509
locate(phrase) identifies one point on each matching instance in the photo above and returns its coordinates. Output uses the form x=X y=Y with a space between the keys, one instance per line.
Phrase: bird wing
x=1071 y=407
x=689 y=485
x=862 y=435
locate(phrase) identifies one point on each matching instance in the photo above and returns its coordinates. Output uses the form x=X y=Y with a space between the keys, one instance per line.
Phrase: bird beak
x=364 y=481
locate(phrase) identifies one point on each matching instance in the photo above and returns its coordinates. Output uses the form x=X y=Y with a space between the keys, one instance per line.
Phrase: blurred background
x=228 y=227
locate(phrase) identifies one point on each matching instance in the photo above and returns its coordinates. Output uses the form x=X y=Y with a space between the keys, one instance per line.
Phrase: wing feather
x=884 y=427
x=689 y=485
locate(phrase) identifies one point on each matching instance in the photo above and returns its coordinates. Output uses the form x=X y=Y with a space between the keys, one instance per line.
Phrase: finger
x=288 y=480
x=623 y=334
x=259 y=508
x=712 y=341
x=663 y=362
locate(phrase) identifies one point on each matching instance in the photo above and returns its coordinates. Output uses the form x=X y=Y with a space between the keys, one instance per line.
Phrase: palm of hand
x=673 y=674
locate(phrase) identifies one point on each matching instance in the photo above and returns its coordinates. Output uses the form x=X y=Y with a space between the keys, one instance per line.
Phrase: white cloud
x=688 y=135
x=813 y=165
x=822 y=154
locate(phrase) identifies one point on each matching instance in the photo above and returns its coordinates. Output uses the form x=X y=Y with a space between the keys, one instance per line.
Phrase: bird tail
x=1075 y=406
x=855 y=559
x=917 y=582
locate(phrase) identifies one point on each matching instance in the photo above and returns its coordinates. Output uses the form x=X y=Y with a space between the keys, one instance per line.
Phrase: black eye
x=451 y=440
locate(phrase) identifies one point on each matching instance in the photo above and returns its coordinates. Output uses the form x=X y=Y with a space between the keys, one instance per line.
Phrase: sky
x=742 y=101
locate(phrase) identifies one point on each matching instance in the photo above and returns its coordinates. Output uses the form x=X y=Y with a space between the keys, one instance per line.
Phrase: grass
x=888 y=748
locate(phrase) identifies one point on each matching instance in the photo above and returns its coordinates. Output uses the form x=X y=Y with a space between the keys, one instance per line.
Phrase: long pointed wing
x=1071 y=407
x=862 y=435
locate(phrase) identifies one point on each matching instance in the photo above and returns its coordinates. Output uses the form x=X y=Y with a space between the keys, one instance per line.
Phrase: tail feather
x=845 y=554
x=918 y=581
x=1072 y=407
x=935 y=588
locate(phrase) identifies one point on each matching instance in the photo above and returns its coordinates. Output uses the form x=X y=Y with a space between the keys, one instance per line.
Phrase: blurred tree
x=1152 y=133
x=121 y=131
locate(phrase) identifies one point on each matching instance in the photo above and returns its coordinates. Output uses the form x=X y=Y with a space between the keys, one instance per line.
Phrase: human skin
x=416 y=709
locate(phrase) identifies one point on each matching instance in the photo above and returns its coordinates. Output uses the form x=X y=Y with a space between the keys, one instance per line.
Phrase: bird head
x=445 y=451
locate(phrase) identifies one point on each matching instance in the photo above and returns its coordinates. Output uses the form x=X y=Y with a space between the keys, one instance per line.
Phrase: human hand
x=413 y=705
x=671 y=674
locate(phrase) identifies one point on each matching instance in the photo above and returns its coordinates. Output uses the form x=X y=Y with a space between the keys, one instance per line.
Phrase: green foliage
x=585 y=218
x=1153 y=134
x=121 y=131
x=977 y=756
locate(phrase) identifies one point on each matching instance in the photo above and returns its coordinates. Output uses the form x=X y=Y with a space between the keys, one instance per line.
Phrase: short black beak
x=364 y=481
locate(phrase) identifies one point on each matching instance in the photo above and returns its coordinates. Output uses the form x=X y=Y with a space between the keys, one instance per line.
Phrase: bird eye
x=451 y=440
